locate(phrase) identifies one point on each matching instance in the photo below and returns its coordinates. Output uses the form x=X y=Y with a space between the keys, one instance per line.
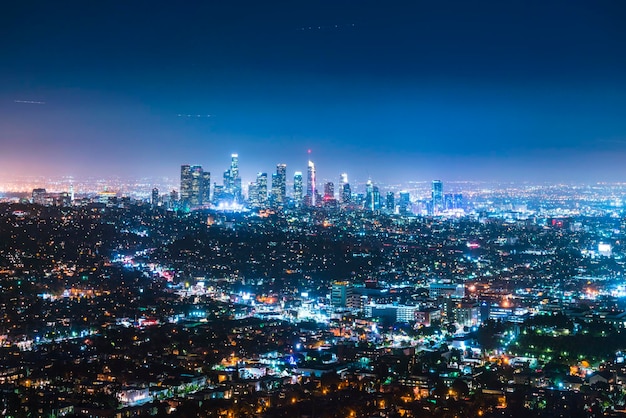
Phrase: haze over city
x=394 y=90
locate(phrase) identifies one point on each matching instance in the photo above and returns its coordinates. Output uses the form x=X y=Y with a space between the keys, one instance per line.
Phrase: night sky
x=415 y=90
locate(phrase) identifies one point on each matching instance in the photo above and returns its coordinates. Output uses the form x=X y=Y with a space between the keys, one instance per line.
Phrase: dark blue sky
x=511 y=90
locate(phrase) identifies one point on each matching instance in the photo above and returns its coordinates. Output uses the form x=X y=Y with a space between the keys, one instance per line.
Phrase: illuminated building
x=279 y=185
x=173 y=199
x=206 y=188
x=329 y=191
x=376 y=198
x=437 y=196
x=261 y=184
x=297 y=187
x=405 y=203
x=155 y=198
x=311 y=189
x=194 y=186
x=451 y=290
x=346 y=193
x=253 y=194
x=185 y=185
x=340 y=293
x=195 y=199
x=232 y=181
x=369 y=195
x=390 y=202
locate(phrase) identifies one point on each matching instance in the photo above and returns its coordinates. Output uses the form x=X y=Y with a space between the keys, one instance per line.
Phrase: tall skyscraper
x=173 y=203
x=253 y=194
x=154 y=202
x=232 y=181
x=390 y=203
x=234 y=165
x=279 y=185
x=437 y=196
x=311 y=189
x=196 y=186
x=346 y=192
x=261 y=183
x=185 y=185
x=329 y=191
x=234 y=173
x=297 y=187
x=369 y=195
x=206 y=188
x=191 y=186
x=405 y=203
x=376 y=197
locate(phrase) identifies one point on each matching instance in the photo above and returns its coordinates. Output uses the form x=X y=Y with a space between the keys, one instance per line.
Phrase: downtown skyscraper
x=311 y=189
x=279 y=185
x=297 y=187
x=195 y=186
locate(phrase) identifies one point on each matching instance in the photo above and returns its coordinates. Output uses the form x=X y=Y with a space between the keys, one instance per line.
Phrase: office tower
x=311 y=189
x=329 y=191
x=297 y=187
x=458 y=201
x=234 y=165
x=196 y=186
x=261 y=183
x=346 y=193
x=71 y=192
x=232 y=181
x=405 y=203
x=340 y=294
x=437 y=196
x=377 y=200
x=369 y=195
x=253 y=194
x=279 y=185
x=155 y=198
x=185 y=185
x=390 y=202
x=228 y=182
x=191 y=185
x=173 y=203
x=218 y=193
x=205 y=197
x=234 y=174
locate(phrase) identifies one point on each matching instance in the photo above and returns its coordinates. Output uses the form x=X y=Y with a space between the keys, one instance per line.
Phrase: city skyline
x=494 y=91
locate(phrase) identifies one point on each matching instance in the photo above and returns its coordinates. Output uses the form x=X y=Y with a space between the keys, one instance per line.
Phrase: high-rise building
x=196 y=186
x=311 y=189
x=437 y=196
x=206 y=188
x=458 y=201
x=377 y=200
x=346 y=193
x=329 y=191
x=261 y=183
x=185 y=185
x=232 y=181
x=173 y=203
x=155 y=198
x=369 y=195
x=405 y=203
x=234 y=173
x=390 y=202
x=253 y=194
x=340 y=293
x=191 y=186
x=279 y=185
x=297 y=187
